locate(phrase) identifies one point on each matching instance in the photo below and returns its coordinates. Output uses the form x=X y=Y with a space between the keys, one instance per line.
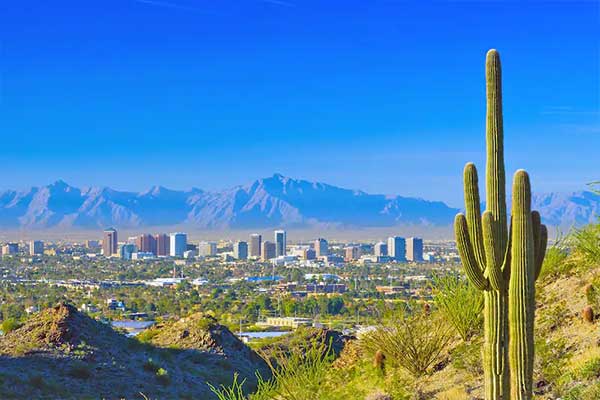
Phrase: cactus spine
x=529 y=238
x=483 y=241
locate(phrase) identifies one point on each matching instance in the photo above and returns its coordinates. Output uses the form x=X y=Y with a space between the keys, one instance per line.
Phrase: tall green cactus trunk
x=504 y=266
x=495 y=355
x=483 y=242
x=528 y=250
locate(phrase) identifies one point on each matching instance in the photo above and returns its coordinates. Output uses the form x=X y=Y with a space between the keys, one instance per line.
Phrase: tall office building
x=110 y=242
x=280 y=243
x=240 y=250
x=146 y=243
x=178 y=244
x=380 y=249
x=268 y=250
x=163 y=244
x=255 y=245
x=126 y=251
x=10 y=249
x=414 y=249
x=321 y=247
x=207 y=249
x=36 y=247
x=352 y=253
x=397 y=248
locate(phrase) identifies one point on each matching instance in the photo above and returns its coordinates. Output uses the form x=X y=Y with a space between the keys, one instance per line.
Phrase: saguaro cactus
x=504 y=266
x=529 y=239
x=483 y=241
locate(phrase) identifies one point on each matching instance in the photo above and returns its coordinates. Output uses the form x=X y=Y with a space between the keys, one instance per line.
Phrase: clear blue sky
x=385 y=96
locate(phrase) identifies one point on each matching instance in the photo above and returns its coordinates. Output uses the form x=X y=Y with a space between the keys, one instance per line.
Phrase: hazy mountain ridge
x=264 y=203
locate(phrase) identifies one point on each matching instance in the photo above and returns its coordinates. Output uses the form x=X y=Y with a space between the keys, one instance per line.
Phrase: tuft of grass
x=590 y=369
x=233 y=392
x=461 y=304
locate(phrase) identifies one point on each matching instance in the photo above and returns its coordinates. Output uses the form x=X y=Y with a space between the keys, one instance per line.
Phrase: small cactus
x=379 y=361
x=588 y=314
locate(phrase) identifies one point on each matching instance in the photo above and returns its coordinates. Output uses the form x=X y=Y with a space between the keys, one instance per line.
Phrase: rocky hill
x=61 y=353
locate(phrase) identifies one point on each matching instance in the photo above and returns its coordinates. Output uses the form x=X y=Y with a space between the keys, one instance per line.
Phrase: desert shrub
x=80 y=371
x=554 y=315
x=585 y=243
x=467 y=356
x=555 y=262
x=147 y=335
x=414 y=341
x=9 y=325
x=299 y=375
x=163 y=377
x=206 y=323
x=461 y=304
x=551 y=358
x=233 y=392
x=590 y=369
x=583 y=392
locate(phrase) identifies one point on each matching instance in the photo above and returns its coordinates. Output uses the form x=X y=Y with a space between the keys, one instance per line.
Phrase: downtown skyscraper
x=280 y=243
x=110 y=243
x=255 y=245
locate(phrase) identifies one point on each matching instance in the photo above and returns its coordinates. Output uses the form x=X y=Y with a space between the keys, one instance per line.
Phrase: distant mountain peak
x=264 y=203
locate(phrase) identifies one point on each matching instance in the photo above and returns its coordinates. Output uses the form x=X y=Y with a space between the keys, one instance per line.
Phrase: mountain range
x=276 y=201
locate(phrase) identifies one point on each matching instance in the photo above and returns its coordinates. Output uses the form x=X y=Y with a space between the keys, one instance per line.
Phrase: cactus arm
x=473 y=213
x=467 y=255
x=540 y=251
x=494 y=269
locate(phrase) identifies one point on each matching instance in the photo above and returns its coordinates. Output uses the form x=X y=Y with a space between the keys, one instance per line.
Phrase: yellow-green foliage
x=414 y=341
x=461 y=303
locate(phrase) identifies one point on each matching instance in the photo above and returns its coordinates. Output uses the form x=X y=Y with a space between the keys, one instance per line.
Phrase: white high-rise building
x=280 y=243
x=255 y=245
x=178 y=244
x=397 y=248
x=36 y=247
x=207 y=249
x=380 y=249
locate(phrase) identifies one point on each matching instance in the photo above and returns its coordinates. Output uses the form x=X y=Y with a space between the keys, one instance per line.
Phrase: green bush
x=299 y=375
x=162 y=376
x=147 y=335
x=585 y=243
x=555 y=262
x=591 y=369
x=9 y=325
x=461 y=304
x=414 y=342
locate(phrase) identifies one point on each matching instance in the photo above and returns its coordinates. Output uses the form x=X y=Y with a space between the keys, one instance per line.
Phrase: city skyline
x=219 y=84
